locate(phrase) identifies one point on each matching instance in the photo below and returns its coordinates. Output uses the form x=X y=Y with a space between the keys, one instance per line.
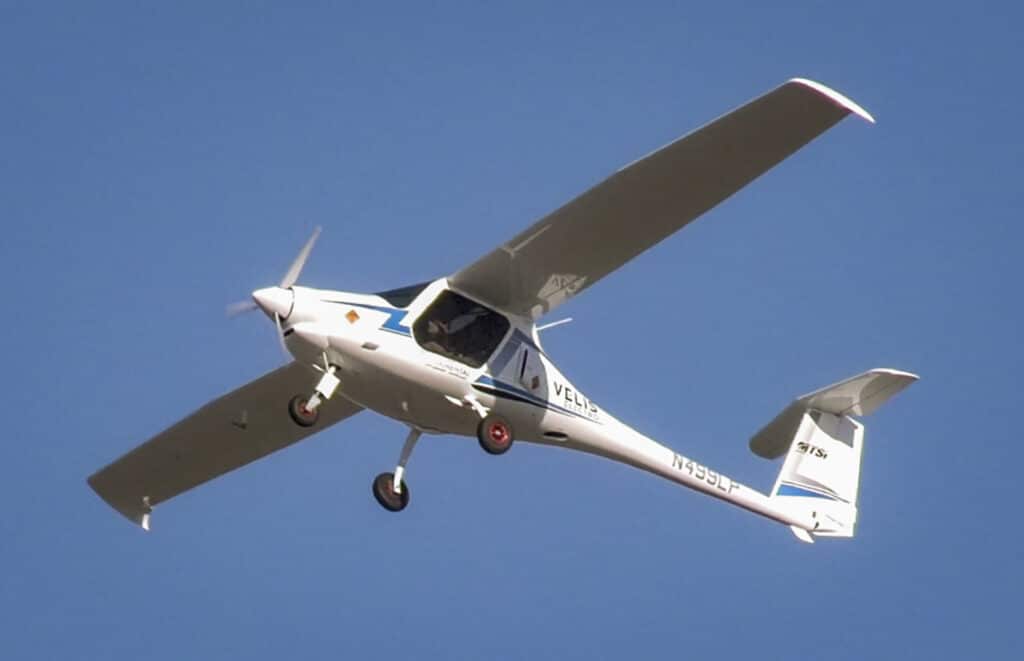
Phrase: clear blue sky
x=160 y=162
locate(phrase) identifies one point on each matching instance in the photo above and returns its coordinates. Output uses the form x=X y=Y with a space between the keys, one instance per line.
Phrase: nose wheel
x=305 y=410
x=301 y=414
x=495 y=434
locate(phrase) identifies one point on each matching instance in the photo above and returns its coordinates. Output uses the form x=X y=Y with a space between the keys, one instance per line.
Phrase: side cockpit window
x=460 y=329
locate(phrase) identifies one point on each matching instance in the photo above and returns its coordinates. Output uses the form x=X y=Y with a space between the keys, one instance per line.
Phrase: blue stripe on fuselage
x=392 y=323
x=524 y=396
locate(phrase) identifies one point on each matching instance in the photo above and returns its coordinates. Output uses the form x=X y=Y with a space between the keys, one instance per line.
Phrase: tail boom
x=631 y=447
x=816 y=491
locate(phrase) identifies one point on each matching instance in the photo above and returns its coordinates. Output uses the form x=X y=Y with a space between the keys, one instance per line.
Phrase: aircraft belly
x=407 y=391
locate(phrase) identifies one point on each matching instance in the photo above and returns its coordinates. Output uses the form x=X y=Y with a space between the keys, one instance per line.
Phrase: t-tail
x=824 y=444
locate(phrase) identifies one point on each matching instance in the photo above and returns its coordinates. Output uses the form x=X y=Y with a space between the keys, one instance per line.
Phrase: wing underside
x=229 y=432
x=649 y=199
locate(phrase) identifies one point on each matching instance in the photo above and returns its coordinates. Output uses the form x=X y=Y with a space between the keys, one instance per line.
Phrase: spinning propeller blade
x=271 y=299
x=240 y=307
x=280 y=337
x=293 y=273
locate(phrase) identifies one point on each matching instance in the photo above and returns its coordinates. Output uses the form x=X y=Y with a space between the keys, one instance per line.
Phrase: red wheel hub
x=499 y=433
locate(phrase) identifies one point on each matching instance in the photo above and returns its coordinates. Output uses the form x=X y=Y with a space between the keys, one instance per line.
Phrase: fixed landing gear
x=493 y=431
x=305 y=411
x=384 y=492
x=495 y=434
x=390 y=489
x=301 y=414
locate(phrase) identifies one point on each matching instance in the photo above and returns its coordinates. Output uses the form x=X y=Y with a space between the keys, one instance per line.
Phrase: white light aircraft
x=462 y=354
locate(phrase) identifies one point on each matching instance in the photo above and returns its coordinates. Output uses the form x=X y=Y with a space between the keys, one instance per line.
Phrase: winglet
x=835 y=97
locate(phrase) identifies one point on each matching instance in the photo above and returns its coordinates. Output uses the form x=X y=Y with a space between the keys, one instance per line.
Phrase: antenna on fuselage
x=560 y=322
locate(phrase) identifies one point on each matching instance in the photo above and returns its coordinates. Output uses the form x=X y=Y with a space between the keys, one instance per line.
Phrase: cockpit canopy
x=458 y=328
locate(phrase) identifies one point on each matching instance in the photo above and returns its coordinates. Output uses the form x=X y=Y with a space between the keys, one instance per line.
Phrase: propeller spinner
x=277 y=301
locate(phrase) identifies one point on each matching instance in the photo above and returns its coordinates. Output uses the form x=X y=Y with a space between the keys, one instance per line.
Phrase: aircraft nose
x=274 y=300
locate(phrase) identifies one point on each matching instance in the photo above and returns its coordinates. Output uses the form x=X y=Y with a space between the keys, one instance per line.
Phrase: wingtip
x=909 y=376
x=136 y=512
x=835 y=97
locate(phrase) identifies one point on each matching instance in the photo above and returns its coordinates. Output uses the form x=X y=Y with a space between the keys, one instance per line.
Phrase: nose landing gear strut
x=305 y=411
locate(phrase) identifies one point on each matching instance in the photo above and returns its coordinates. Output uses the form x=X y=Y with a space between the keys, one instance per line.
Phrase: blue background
x=163 y=160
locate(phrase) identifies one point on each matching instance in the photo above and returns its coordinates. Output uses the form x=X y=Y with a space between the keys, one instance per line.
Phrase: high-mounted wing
x=229 y=432
x=649 y=199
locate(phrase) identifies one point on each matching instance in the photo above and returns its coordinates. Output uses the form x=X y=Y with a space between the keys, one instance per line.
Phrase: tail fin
x=821 y=474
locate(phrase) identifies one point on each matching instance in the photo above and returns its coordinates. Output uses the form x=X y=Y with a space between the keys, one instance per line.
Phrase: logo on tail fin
x=811 y=450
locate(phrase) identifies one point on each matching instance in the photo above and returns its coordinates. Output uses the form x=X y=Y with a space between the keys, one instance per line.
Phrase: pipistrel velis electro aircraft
x=462 y=354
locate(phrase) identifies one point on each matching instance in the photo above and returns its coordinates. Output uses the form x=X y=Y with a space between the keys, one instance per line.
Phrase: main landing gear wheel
x=384 y=492
x=301 y=415
x=495 y=434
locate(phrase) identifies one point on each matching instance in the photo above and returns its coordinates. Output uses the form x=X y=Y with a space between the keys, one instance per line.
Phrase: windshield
x=460 y=329
x=403 y=296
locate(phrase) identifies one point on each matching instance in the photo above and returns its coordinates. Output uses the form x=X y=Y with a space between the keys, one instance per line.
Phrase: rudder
x=821 y=474
x=824 y=444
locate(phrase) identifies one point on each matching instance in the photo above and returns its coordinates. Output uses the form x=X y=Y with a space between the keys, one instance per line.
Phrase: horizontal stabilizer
x=857 y=396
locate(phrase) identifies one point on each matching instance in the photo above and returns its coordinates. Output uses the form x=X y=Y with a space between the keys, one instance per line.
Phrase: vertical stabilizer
x=821 y=474
x=823 y=445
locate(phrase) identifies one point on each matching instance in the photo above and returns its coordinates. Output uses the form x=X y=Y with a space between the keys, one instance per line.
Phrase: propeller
x=280 y=337
x=265 y=298
x=240 y=307
x=296 y=268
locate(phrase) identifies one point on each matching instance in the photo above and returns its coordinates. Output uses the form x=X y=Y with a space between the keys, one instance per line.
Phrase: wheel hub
x=499 y=433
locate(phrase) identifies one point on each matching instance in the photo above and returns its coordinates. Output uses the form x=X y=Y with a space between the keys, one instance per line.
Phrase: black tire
x=299 y=414
x=385 y=494
x=495 y=434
